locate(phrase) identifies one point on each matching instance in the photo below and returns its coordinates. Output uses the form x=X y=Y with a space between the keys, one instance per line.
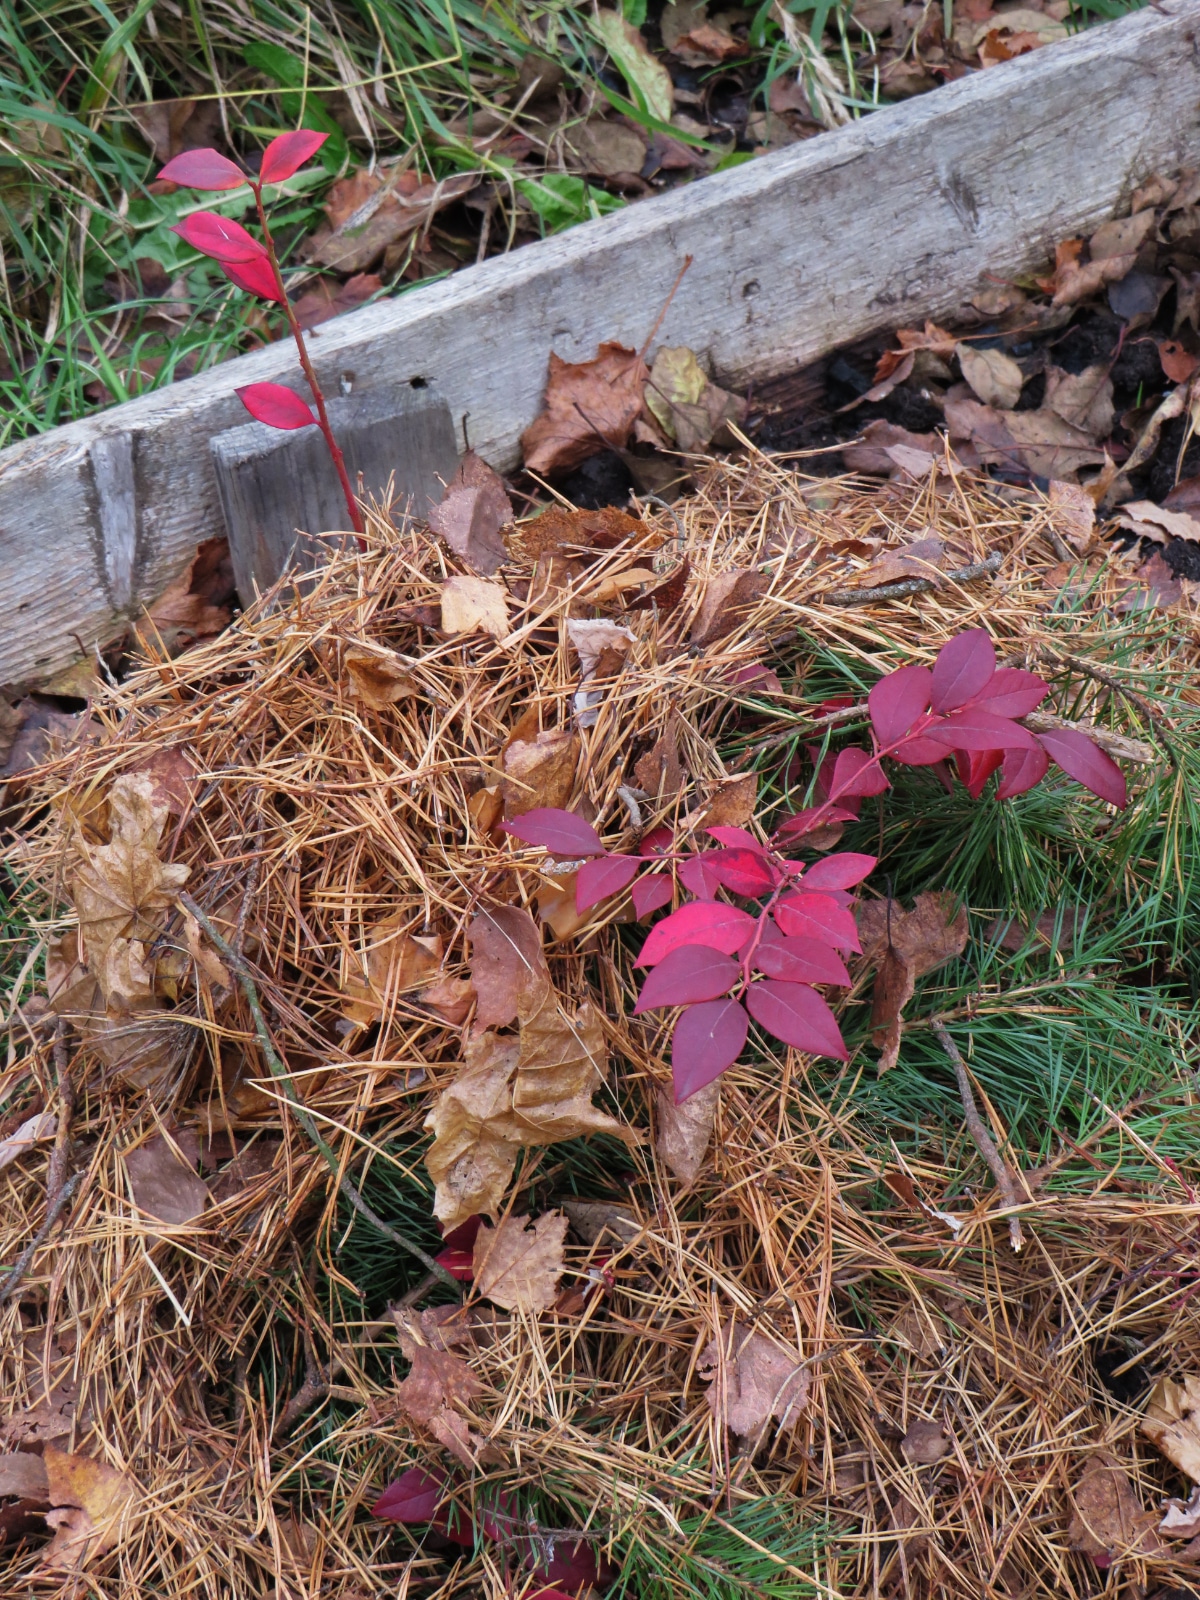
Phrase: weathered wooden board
x=890 y=219
x=279 y=492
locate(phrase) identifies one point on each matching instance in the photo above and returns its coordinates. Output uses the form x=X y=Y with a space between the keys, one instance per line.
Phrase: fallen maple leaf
x=471 y=513
x=475 y=605
x=539 y=772
x=517 y=1267
x=1172 y=1422
x=590 y=406
x=685 y=1130
x=164 y=1184
x=93 y=1505
x=438 y=1382
x=508 y=966
x=1108 y=1520
x=752 y=1379
x=32 y=1131
x=905 y=945
x=377 y=677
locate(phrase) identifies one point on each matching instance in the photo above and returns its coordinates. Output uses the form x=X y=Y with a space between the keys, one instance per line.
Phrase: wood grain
x=886 y=221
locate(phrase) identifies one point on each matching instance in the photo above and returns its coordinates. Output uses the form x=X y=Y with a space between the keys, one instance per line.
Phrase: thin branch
x=299 y=1111
x=906 y=586
x=999 y=1168
x=60 y=1156
x=21 y=1266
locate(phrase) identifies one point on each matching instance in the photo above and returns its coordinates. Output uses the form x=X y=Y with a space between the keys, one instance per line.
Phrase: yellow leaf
x=474 y=605
x=92 y=1504
x=518 y=1267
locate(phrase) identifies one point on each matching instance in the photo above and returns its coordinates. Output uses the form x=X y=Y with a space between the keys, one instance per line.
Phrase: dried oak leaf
x=561 y=1064
x=508 y=965
x=1108 y=1519
x=471 y=514
x=518 y=1267
x=32 y=1131
x=378 y=678
x=163 y=1182
x=396 y=961
x=123 y=893
x=93 y=1507
x=590 y=406
x=752 y=1379
x=904 y=945
x=539 y=772
x=1172 y=1422
x=685 y=1131
x=475 y=605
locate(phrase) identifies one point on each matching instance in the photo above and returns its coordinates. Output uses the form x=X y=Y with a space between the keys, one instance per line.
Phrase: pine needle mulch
x=240 y=1367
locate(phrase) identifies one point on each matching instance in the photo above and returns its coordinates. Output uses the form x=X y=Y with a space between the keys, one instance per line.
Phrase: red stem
x=335 y=450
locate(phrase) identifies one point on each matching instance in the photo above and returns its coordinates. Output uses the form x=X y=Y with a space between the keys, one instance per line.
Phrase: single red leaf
x=1021 y=770
x=561 y=832
x=817 y=916
x=656 y=842
x=737 y=839
x=288 y=153
x=896 y=702
x=275 y=405
x=1084 y=761
x=841 y=871
x=721 y=927
x=963 y=669
x=219 y=237
x=691 y=972
x=413 y=1497
x=1012 y=693
x=975 y=767
x=799 y=960
x=919 y=752
x=602 y=877
x=256 y=277
x=970 y=729
x=707 y=1039
x=649 y=893
x=464 y=1235
x=796 y=1014
x=698 y=878
x=814 y=817
x=459 y=1264
x=856 y=773
x=575 y=1565
x=202 y=169
x=745 y=872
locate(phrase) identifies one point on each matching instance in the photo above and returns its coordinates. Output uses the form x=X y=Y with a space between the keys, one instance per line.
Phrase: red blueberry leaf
x=707 y=1039
x=651 y=892
x=919 y=752
x=561 y=832
x=855 y=773
x=1012 y=693
x=737 y=839
x=963 y=669
x=692 y=972
x=1021 y=770
x=817 y=916
x=1080 y=759
x=656 y=841
x=574 y=1565
x=203 y=169
x=219 y=237
x=841 y=871
x=276 y=405
x=698 y=877
x=721 y=927
x=605 y=876
x=288 y=153
x=971 y=729
x=256 y=277
x=746 y=872
x=896 y=702
x=814 y=817
x=975 y=767
x=459 y=1264
x=413 y=1497
x=799 y=960
x=796 y=1014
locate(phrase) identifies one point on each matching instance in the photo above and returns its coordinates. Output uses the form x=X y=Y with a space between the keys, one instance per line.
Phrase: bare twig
x=315 y=1387
x=20 y=1267
x=906 y=586
x=999 y=1168
x=60 y=1156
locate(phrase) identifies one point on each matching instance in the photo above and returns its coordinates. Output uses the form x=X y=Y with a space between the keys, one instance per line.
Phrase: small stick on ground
x=999 y=1168
x=907 y=586
x=60 y=1156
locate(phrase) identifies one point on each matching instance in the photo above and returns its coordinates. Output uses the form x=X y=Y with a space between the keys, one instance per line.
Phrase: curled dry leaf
x=601 y=647
x=904 y=945
x=684 y=1131
x=377 y=677
x=164 y=1183
x=518 y=1267
x=1108 y=1520
x=471 y=513
x=475 y=605
x=396 y=961
x=32 y=1131
x=1172 y=1422
x=1181 y=1518
x=539 y=772
x=752 y=1379
x=93 y=1509
x=590 y=406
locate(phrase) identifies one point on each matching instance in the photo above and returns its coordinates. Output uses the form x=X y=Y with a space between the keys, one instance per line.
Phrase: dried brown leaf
x=660 y=772
x=1108 y=1519
x=23 y=1475
x=920 y=559
x=518 y=1267
x=396 y=961
x=1084 y=399
x=476 y=1137
x=562 y=1062
x=732 y=805
x=684 y=1131
x=1072 y=514
x=904 y=945
x=601 y=1221
x=752 y=1379
x=1172 y=1422
x=378 y=678
x=94 y=1506
x=689 y=408
x=996 y=378
x=608 y=149
x=475 y=605
x=924 y=1443
x=590 y=406
x=539 y=772
x=727 y=600
x=32 y=1131
x=508 y=966
x=373 y=210
x=471 y=514
x=164 y=1185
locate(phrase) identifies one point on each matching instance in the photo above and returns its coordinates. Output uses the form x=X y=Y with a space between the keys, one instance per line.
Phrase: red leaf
x=799 y=960
x=814 y=817
x=737 y=839
x=975 y=767
x=841 y=871
x=652 y=891
x=746 y=872
x=561 y=832
x=256 y=277
x=817 y=916
x=796 y=1014
x=203 y=169
x=459 y=1264
x=721 y=927
x=276 y=406
x=707 y=1039
x=413 y=1497
x=573 y=1564
x=288 y=153
x=219 y=237
x=919 y=752
x=963 y=669
x=979 y=730
x=1080 y=759
x=698 y=878
x=1021 y=770
x=855 y=772
x=1012 y=693
x=692 y=972
x=657 y=841
x=895 y=703
x=463 y=1237
x=605 y=876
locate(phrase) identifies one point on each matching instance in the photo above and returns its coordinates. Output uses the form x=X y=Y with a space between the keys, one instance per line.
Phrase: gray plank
x=888 y=220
